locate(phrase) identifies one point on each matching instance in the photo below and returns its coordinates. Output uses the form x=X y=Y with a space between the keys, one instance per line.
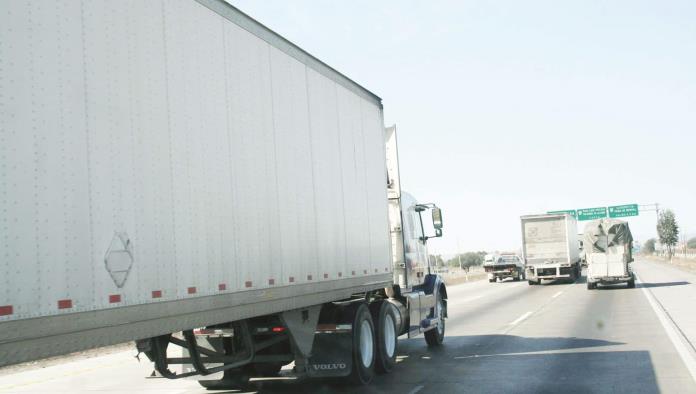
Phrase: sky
x=510 y=108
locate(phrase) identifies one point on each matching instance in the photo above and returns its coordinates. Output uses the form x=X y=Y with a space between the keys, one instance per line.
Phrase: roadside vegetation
x=668 y=231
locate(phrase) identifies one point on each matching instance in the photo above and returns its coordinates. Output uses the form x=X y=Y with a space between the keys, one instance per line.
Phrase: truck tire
x=532 y=282
x=591 y=286
x=384 y=314
x=631 y=283
x=363 y=347
x=435 y=336
x=491 y=280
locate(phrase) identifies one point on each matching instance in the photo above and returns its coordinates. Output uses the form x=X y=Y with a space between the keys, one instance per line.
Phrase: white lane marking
x=521 y=318
x=675 y=337
x=557 y=294
x=416 y=389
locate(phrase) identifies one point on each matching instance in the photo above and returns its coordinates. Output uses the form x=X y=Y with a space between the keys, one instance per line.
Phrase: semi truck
x=550 y=248
x=609 y=245
x=177 y=174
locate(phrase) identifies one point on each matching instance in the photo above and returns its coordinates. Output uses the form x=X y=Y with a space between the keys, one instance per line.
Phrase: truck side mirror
x=437 y=218
x=437 y=221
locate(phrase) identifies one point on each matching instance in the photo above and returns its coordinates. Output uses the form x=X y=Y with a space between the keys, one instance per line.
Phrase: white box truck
x=608 y=244
x=175 y=173
x=550 y=248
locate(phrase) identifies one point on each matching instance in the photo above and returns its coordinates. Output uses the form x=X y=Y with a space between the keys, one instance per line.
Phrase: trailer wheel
x=532 y=283
x=435 y=336
x=363 y=347
x=491 y=280
x=591 y=286
x=384 y=314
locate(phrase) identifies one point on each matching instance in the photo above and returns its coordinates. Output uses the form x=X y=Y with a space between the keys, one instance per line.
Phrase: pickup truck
x=503 y=267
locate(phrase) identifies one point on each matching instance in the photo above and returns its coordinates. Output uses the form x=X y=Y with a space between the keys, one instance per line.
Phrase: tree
x=691 y=244
x=668 y=231
x=468 y=259
x=437 y=261
x=649 y=246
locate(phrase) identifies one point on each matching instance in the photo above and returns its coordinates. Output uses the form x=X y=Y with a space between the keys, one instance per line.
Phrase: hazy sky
x=508 y=108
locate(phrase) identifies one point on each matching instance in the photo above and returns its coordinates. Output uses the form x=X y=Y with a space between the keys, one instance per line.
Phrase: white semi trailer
x=550 y=247
x=175 y=173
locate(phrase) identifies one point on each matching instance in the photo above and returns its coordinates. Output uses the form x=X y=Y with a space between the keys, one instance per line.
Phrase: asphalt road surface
x=501 y=337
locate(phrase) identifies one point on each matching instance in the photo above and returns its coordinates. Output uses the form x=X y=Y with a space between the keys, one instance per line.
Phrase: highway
x=501 y=337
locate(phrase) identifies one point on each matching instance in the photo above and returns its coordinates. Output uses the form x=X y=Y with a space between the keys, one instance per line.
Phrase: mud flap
x=332 y=355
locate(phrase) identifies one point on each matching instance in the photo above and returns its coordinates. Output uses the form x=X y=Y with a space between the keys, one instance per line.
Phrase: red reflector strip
x=278 y=329
x=222 y=287
x=191 y=290
x=247 y=283
x=326 y=276
x=64 y=304
x=114 y=298
x=292 y=279
x=156 y=293
x=309 y=277
x=271 y=282
x=6 y=310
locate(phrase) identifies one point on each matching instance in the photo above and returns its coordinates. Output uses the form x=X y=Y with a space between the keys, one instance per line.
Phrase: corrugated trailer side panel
x=572 y=235
x=165 y=132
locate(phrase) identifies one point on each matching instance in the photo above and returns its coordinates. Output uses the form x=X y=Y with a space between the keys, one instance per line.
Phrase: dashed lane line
x=520 y=319
x=416 y=389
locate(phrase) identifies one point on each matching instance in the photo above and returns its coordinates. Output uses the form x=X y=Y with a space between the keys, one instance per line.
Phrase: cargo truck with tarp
x=608 y=245
x=550 y=248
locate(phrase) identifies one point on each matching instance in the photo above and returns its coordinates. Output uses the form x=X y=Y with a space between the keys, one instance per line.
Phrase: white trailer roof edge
x=258 y=29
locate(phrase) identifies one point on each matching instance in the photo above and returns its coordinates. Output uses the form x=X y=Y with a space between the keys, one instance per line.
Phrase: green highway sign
x=620 y=211
x=592 y=213
x=570 y=212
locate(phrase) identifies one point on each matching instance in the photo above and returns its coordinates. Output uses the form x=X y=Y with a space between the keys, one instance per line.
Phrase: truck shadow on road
x=622 y=286
x=662 y=284
x=499 y=363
